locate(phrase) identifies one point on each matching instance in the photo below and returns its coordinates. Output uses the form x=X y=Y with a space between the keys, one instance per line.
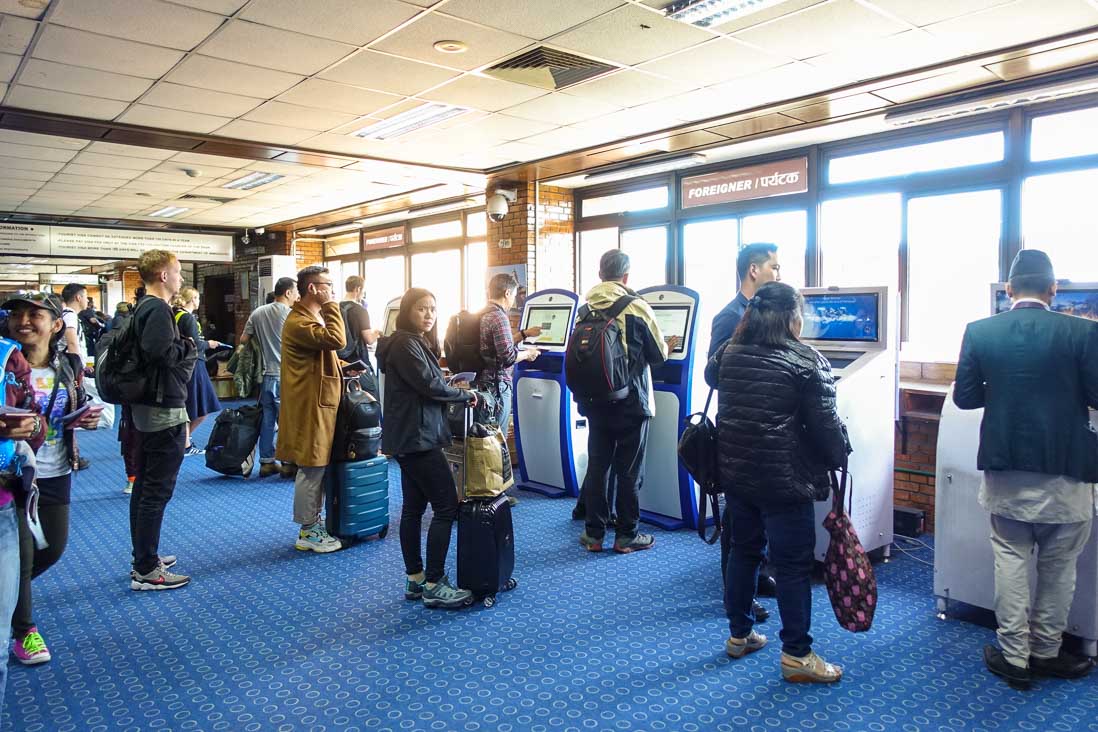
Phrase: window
x=476 y=272
x=1064 y=135
x=476 y=225
x=787 y=229
x=940 y=155
x=642 y=200
x=860 y=242
x=647 y=250
x=436 y=272
x=1058 y=218
x=384 y=281
x=953 y=254
x=709 y=268
x=592 y=244
x=338 y=246
x=435 y=232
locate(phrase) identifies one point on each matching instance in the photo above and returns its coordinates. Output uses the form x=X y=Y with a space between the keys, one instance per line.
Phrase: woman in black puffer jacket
x=779 y=434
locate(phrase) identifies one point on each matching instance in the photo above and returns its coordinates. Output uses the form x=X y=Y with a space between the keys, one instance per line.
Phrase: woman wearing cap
x=35 y=323
x=201 y=396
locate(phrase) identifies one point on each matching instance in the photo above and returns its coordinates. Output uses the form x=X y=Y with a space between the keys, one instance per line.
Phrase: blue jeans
x=791 y=531
x=504 y=407
x=9 y=582
x=270 y=399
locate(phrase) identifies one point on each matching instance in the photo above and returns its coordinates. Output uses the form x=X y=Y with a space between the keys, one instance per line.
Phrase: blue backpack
x=10 y=462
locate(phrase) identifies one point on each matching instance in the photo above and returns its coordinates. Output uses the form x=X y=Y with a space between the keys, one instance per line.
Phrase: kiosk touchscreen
x=964 y=566
x=851 y=327
x=550 y=435
x=392 y=309
x=669 y=497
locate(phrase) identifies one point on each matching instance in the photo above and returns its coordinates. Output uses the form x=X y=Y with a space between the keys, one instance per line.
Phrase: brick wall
x=917 y=491
x=554 y=245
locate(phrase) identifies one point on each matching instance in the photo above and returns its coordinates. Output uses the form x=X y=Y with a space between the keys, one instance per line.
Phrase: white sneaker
x=316 y=539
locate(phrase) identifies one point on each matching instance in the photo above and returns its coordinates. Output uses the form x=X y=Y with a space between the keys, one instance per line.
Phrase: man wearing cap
x=1035 y=373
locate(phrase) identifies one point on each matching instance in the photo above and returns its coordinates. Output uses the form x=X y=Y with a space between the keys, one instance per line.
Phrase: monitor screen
x=391 y=322
x=1082 y=303
x=841 y=317
x=673 y=320
x=553 y=321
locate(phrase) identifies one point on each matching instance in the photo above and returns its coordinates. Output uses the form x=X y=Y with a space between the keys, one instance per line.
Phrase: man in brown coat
x=311 y=388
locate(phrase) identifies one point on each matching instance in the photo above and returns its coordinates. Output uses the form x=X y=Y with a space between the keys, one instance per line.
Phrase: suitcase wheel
x=489 y=600
x=383 y=533
x=511 y=584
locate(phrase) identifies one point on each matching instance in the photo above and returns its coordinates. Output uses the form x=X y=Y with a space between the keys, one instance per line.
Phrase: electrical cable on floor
x=909 y=551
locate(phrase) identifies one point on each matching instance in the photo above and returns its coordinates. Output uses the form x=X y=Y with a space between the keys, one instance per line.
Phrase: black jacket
x=1035 y=373
x=169 y=357
x=777 y=425
x=415 y=393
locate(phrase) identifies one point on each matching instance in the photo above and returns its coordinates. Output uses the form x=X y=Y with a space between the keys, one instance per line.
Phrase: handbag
x=698 y=454
x=848 y=573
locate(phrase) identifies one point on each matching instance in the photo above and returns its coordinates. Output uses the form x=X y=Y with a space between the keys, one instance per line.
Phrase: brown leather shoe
x=288 y=470
x=266 y=469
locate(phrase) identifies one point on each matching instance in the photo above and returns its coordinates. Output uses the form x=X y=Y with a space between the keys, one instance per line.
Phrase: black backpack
x=358 y=425
x=596 y=367
x=354 y=348
x=120 y=372
x=230 y=449
x=462 y=343
x=698 y=449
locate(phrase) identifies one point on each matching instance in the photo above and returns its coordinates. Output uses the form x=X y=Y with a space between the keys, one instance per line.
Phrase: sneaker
x=810 y=669
x=194 y=450
x=31 y=649
x=413 y=590
x=266 y=469
x=158 y=579
x=740 y=647
x=316 y=538
x=590 y=544
x=636 y=544
x=445 y=595
x=129 y=487
x=167 y=561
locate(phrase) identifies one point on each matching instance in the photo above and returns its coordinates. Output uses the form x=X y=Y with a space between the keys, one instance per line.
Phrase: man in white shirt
x=75 y=298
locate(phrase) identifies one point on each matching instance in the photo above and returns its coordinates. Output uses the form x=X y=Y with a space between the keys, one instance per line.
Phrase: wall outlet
x=504 y=243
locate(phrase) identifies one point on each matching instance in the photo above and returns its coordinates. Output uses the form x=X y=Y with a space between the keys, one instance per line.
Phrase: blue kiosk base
x=664 y=522
x=546 y=490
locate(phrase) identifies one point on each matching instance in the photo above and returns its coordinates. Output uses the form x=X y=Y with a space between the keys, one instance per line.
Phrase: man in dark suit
x=1035 y=373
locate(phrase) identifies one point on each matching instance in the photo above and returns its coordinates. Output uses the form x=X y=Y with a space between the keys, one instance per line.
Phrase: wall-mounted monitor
x=553 y=321
x=843 y=315
x=673 y=321
x=1072 y=298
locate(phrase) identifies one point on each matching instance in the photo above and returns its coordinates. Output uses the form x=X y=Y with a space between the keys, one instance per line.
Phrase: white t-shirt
x=72 y=320
x=53 y=459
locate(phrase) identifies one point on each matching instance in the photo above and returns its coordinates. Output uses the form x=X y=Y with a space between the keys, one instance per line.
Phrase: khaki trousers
x=308 y=494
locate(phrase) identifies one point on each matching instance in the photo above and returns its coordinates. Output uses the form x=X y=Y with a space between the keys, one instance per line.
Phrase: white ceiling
x=309 y=74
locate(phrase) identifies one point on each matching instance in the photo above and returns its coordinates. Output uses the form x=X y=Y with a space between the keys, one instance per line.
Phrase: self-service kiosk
x=550 y=435
x=964 y=566
x=669 y=497
x=392 y=309
x=851 y=327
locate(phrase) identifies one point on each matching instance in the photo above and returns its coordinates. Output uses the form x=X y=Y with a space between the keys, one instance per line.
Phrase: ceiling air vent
x=211 y=199
x=550 y=69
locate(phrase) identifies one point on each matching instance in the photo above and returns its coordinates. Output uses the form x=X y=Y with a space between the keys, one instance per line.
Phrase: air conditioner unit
x=271 y=270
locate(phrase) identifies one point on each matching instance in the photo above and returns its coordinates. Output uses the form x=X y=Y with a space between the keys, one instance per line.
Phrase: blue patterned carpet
x=268 y=638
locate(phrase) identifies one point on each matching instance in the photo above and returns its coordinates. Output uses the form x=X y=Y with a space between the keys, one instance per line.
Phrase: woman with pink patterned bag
x=779 y=434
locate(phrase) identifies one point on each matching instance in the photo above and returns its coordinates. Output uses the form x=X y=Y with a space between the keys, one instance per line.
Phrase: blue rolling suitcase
x=357 y=499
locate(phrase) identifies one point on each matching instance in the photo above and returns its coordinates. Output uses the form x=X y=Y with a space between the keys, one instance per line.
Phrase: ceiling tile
x=9 y=62
x=481 y=92
x=1018 y=22
x=23 y=10
x=765 y=15
x=90 y=180
x=629 y=88
x=79 y=80
x=33 y=152
x=16 y=34
x=217 y=161
x=139 y=20
x=350 y=21
x=274 y=134
x=232 y=78
x=221 y=7
x=292 y=115
x=836 y=108
x=176 y=96
x=560 y=108
x=925 y=12
x=132 y=151
x=714 y=62
x=485 y=45
x=628 y=122
x=566 y=138
x=171 y=119
x=273 y=48
x=60 y=187
x=754 y=126
x=347 y=144
x=123 y=162
x=699 y=104
x=529 y=17
x=75 y=105
x=821 y=29
x=963 y=78
x=98 y=171
x=1042 y=62
x=502 y=127
x=79 y=48
x=785 y=82
x=901 y=52
x=631 y=35
x=388 y=73
x=338 y=97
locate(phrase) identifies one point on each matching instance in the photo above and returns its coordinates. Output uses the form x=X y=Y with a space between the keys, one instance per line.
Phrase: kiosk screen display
x=553 y=321
x=672 y=320
x=391 y=322
x=841 y=317
x=1082 y=303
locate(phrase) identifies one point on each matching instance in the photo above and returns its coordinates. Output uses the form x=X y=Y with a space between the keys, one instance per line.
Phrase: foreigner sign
x=779 y=178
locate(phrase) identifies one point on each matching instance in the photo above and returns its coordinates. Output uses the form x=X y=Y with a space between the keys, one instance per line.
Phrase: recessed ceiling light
x=143 y=194
x=715 y=12
x=451 y=47
x=34 y=4
x=169 y=211
x=422 y=116
x=253 y=180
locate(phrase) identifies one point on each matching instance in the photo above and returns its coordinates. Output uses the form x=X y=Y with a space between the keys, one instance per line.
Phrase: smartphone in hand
x=354 y=366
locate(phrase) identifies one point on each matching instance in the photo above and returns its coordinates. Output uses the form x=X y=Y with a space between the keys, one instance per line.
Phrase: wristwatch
x=523 y=334
x=37 y=425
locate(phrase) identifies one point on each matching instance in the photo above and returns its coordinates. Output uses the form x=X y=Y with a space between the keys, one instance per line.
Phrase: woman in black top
x=201 y=396
x=779 y=434
x=415 y=432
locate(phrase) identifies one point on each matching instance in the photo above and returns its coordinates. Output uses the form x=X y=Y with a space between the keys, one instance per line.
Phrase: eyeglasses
x=318 y=283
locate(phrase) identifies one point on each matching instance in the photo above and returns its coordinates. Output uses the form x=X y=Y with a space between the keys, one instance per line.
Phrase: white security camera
x=245 y=239
x=497 y=204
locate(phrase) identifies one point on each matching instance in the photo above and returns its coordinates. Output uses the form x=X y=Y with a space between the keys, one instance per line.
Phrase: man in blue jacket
x=1035 y=373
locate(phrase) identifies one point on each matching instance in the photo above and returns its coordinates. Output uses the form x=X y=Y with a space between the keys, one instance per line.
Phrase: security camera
x=261 y=231
x=245 y=240
x=497 y=204
x=192 y=173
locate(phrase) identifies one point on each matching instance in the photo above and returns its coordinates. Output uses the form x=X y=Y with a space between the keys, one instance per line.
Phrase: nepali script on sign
x=779 y=178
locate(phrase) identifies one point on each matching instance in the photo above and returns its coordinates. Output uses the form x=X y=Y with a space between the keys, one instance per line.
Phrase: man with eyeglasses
x=311 y=389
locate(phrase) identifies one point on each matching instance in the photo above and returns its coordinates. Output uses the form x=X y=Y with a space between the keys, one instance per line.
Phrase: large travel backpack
x=120 y=371
x=461 y=345
x=231 y=447
x=596 y=367
x=358 y=424
x=698 y=449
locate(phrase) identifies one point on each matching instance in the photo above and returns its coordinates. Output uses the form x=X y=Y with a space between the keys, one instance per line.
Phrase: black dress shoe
x=760 y=612
x=766 y=586
x=1063 y=666
x=1016 y=676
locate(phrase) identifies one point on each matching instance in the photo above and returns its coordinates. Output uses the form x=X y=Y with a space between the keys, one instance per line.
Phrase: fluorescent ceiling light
x=405 y=214
x=169 y=211
x=715 y=12
x=339 y=229
x=978 y=103
x=422 y=116
x=384 y=218
x=442 y=208
x=635 y=171
x=253 y=180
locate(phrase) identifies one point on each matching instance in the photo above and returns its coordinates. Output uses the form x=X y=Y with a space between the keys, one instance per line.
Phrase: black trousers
x=425 y=478
x=614 y=441
x=159 y=457
x=33 y=561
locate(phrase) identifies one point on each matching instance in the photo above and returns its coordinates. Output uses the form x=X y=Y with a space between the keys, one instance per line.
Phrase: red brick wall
x=554 y=248
x=917 y=491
